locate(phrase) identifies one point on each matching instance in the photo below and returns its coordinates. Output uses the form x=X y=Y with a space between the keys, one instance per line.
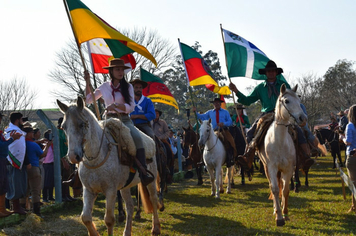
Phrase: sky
x=303 y=37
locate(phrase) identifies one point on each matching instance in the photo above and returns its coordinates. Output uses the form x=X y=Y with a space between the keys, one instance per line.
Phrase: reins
x=217 y=138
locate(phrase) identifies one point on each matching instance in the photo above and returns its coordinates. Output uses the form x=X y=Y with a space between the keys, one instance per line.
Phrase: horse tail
x=145 y=198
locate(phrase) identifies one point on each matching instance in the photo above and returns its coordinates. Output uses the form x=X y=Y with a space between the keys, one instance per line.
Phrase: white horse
x=100 y=169
x=278 y=151
x=214 y=156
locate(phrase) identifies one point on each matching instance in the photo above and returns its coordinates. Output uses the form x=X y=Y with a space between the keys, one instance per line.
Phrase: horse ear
x=283 y=88
x=63 y=107
x=80 y=103
x=295 y=88
x=209 y=120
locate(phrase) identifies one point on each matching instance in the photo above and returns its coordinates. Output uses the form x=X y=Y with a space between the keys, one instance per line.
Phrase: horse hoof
x=286 y=218
x=200 y=183
x=280 y=222
x=162 y=208
x=296 y=190
x=228 y=192
x=121 y=218
x=221 y=191
x=137 y=217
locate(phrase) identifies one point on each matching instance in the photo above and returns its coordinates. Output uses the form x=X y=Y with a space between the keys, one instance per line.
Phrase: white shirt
x=105 y=91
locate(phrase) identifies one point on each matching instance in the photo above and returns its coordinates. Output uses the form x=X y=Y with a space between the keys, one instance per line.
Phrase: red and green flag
x=156 y=90
x=102 y=51
x=198 y=71
x=87 y=26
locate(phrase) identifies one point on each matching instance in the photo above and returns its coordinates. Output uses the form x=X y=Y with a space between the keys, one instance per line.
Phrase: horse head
x=76 y=127
x=288 y=105
x=205 y=131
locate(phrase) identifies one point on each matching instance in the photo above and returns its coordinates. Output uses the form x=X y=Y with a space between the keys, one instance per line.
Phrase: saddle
x=262 y=126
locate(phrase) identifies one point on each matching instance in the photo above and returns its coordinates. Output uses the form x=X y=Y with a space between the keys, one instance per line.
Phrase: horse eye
x=286 y=101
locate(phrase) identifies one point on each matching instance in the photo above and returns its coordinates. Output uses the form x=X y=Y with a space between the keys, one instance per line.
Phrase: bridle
x=208 y=133
x=285 y=107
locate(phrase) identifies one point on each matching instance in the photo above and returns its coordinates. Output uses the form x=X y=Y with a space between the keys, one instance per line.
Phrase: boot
x=246 y=159
x=37 y=209
x=140 y=160
x=308 y=162
x=17 y=208
x=3 y=211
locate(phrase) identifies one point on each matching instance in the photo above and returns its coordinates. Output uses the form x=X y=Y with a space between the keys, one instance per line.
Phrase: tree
x=15 y=95
x=338 y=90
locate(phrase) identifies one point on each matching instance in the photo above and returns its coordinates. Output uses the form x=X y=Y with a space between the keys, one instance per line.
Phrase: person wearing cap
x=118 y=96
x=241 y=118
x=342 y=121
x=267 y=93
x=34 y=153
x=144 y=111
x=4 y=145
x=221 y=120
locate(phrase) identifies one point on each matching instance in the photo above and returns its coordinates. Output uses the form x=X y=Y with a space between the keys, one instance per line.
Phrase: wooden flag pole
x=83 y=62
x=189 y=87
x=233 y=97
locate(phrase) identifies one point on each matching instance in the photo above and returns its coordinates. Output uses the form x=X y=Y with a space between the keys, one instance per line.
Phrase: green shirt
x=260 y=92
x=245 y=119
x=63 y=146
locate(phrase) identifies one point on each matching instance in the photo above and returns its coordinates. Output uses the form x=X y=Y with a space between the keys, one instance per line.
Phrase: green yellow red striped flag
x=87 y=26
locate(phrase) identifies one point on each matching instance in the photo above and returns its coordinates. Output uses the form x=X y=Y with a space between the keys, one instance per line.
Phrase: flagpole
x=189 y=87
x=82 y=58
x=233 y=97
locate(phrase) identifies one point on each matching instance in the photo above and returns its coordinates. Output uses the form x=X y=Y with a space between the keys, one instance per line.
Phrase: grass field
x=317 y=210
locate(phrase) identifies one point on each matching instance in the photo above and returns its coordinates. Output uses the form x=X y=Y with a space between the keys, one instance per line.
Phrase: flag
x=101 y=53
x=87 y=26
x=198 y=71
x=243 y=58
x=223 y=104
x=156 y=90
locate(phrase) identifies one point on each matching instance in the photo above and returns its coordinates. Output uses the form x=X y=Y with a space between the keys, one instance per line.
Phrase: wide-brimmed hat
x=216 y=100
x=271 y=65
x=240 y=106
x=27 y=128
x=159 y=112
x=116 y=62
x=341 y=113
x=138 y=81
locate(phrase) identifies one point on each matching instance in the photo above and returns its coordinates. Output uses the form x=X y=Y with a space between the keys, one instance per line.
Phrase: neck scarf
x=139 y=102
x=239 y=117
x=272 y=89
x=114 y=90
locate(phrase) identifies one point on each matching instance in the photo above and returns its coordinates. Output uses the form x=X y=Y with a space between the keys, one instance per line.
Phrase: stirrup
x=147 y=179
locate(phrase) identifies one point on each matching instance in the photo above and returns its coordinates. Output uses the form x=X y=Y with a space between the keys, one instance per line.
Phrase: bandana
x=272 y=89
x=114 y=90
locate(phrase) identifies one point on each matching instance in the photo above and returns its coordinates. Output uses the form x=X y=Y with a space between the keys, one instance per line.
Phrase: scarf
x=240 y=118
x=139 y=102
x=114 y=90
x=272 y=89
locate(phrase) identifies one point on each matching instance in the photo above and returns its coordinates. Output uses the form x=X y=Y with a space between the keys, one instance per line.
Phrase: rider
x=267 y=92
x=241 y=117
x=221 y=120
x=144 y=110
x=118 y=96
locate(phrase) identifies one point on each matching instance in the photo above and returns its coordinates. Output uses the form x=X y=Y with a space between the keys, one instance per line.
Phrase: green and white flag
x=243 y=58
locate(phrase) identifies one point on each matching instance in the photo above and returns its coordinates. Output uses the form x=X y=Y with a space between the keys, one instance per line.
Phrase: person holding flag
x=118 y=97
x=221 y=120
x=267 y=92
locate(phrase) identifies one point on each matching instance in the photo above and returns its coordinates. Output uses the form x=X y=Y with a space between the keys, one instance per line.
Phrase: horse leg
x=198 y=168
x=139 y=202
x=212 y=180
x=306 y=178
x=126 y=195
x=242 y=172
x=120 y=208
x=156 y=226
x=162 y=185
x=229 y=176
x=218 y=182
x=109 y=217
x=275 y=191
x=296 y=179
x=88 y=203
x=285 y=196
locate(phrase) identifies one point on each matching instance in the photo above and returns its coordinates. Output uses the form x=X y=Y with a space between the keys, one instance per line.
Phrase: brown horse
x=190 y=139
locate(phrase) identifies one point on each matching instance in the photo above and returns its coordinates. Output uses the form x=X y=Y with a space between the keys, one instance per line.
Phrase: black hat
x=216 y=100
x=159 y=112
x=138 y=81
x=271 y=65
x=240 y=106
